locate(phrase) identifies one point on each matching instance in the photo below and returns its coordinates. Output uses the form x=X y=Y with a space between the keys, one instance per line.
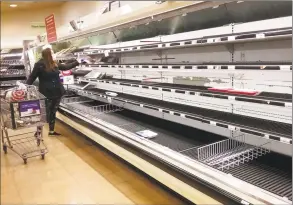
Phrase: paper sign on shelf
x=147 y=134
x=68 y=80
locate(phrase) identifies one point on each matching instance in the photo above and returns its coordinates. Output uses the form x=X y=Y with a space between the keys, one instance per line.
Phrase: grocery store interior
x=146 y=102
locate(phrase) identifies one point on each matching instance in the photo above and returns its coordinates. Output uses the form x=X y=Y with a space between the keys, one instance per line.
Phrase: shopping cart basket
x=23 y=109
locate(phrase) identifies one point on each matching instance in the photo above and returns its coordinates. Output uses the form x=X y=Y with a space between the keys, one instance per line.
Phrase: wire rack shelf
x=231 y=152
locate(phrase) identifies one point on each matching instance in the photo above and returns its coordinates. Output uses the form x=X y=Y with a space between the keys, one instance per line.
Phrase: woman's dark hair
x=48 y=60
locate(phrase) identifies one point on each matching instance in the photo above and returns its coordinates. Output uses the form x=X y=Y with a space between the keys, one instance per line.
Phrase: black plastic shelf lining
x=266 y=126
x=262 y=172
x=263 y=95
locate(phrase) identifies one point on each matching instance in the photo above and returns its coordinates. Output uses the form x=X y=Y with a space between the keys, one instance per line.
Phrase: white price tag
x=287 y=104
x=244 y=202
x=267 y=136
x=210 y=40
x=213 y=123
x=231 y=127
x=231 y=97
x=260 y=35
x=285 y=140
x=217 y=40
x=231 y=38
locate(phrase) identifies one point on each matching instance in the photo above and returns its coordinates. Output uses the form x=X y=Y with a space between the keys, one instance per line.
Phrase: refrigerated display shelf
x=7 y=58
x=9 y=83
x=252 y=36
x=189 y=89
x=261 y=172
x=246 y=105
x=246 y=65
x=16 y=51
x=5 y=78
x=274 y=180
x=259 y=127
x=79 y=72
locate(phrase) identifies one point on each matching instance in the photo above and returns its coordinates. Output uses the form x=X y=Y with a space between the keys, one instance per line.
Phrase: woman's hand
x=83 y=60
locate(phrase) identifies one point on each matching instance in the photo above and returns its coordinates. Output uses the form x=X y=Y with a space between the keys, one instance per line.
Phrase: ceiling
x=28 y=5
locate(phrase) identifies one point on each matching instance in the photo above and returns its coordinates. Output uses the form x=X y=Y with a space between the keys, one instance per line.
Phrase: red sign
x=51 y=28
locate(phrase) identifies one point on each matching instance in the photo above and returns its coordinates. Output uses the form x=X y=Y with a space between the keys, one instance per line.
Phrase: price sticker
x=109 y=99
x=260 y=35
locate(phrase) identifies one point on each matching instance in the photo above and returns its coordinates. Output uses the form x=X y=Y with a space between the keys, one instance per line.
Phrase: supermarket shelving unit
x=12 y=67
x=239 y=145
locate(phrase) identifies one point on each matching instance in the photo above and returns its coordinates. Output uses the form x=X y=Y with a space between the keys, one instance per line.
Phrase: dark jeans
x=52 y=107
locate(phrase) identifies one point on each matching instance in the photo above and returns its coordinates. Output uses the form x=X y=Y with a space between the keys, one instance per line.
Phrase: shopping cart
x=23 y=115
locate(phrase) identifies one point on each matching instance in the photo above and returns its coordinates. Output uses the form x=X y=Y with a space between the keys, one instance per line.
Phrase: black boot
x=54 y=134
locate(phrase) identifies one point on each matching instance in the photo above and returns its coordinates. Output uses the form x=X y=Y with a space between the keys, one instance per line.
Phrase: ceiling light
x=238 y=2
x=13 y=5
x=159 y=2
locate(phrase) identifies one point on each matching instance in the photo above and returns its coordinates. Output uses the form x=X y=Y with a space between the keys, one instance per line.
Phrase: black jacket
x=49 y=82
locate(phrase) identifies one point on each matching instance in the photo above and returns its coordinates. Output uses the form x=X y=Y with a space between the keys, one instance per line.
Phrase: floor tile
x=74 y=172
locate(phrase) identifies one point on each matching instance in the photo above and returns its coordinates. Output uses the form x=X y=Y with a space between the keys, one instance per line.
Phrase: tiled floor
x=75 y=172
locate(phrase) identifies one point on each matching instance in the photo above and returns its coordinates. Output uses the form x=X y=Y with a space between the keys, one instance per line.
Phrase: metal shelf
x=265 y=106
x=285 y=33
x=211 y=121
x=230 y=153
x=265 y=66
x=181 y=147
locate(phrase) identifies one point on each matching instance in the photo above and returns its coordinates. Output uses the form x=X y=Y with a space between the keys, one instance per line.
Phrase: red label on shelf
x=51 y=28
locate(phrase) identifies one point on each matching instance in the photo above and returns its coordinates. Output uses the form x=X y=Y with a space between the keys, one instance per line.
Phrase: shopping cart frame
x=28 y=144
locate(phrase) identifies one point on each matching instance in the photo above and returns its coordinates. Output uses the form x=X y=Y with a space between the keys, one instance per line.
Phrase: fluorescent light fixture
x=238 y=2
x=184 y=14
x=13 y=5
x=216 y=7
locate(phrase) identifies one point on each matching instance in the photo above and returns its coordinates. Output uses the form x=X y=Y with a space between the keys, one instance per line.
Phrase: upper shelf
x=11 y=57
x=282 y=66
x=272 y=29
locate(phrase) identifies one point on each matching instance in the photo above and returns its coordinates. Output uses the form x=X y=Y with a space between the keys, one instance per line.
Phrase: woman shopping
x=47 y=70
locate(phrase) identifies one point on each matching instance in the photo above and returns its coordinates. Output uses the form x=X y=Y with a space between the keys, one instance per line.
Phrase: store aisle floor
x=75 y=172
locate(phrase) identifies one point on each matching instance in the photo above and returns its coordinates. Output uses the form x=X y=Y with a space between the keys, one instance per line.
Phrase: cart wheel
x=43 y=156
x=5 y=149
x=25 y=161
